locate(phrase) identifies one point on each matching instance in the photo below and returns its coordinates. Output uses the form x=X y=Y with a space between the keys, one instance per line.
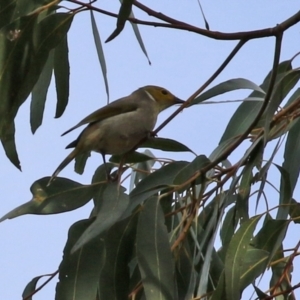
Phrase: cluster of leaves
x=158 y=241
x=33 y=44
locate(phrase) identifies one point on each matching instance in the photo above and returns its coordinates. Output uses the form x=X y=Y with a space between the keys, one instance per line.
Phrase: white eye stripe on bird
x=150 y=96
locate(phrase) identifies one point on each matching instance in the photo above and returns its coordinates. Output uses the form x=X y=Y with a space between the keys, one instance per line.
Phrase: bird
x=118 y=127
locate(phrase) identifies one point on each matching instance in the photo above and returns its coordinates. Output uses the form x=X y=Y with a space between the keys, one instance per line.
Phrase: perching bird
x=119 y=126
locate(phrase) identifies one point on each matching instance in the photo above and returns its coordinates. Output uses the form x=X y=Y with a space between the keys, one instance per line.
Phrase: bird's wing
x=110 y=110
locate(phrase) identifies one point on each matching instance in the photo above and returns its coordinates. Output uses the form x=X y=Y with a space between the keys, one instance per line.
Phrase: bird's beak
x=178 y=101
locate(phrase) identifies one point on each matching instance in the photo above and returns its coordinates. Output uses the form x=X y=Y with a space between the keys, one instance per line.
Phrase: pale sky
x=181 y=62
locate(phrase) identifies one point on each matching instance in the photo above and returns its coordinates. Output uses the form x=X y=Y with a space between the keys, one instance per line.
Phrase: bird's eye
x=164 y=92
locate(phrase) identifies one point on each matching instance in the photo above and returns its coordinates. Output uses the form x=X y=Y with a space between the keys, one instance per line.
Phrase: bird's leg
x=152 y=134
x=120 y=170
x=108 y=177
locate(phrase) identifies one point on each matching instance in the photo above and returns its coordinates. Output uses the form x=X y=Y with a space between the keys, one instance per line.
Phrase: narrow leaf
x=31 y=287
x=155 y=182
x=235 y=257
x=292 y=154
x=119 y=244
x=139 y=37
x=9 y=145
x=228 y=86
x=123 y=15
x=115 y=201
x=271 y=236
x=62 y=75
x=165 y=145
x=131 y=157
x=39 y=94
x=154 y=253
x=100 y=52
x=285 y=195
x=79 y=272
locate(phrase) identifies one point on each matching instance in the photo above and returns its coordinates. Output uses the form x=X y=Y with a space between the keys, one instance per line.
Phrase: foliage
x=158 y=239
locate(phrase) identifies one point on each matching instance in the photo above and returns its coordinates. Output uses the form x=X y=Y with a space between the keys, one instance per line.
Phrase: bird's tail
x=63 y=164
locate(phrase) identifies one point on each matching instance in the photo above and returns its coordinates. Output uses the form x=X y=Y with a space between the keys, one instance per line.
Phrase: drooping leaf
x=80 y=162
x=123 y=15
x=254 y=264
x=270 y=236
x=114 y=203
x=61 y=196
x=9 y=146
x=62 y=75
x=31 y=287
x=39 y=94
x=291 y=154
x=138 y=36
x=228 y=227
x=285 y=195
x=100 y=52
x=154 y=253
x=235 y=257
x=79 y=272
x=23 y=54
x=119 y=244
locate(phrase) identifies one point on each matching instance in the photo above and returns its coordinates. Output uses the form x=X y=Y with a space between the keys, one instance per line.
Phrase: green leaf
x=79 y=272
x=62 y=75
x=228 y=227
x=31 y=287
x=9 y=145
x=138 y=36
x=254 y=264
x=80 y=162
x=292 y=154
x=14 y=49
x=247 y=111
x=285 y=195
x=123 y=15
x=39 y=94
x=100 y=52
x=295 y=211
x=228 y=86
x=49 y=33
x=7 y=8
x=235 y=257
x=119 y=247
x=143 y=169
x=191 y=169
x=271 y=236
x=22 y=59
x=280 y=91
x=114 y=203
x=184 y=271
x=131 y=157
x=154 y=253
x=61 y=196
x=155 y=182
x=165 y=145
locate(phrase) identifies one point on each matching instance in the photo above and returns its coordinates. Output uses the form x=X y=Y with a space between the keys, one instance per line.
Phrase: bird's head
x=162 y=96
